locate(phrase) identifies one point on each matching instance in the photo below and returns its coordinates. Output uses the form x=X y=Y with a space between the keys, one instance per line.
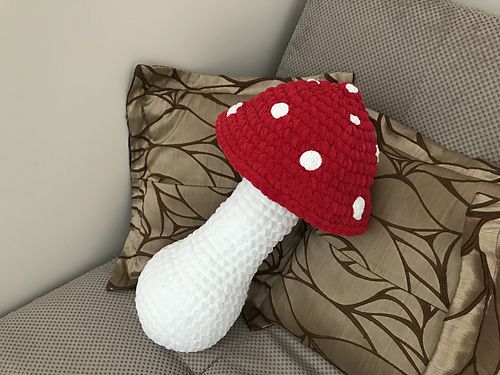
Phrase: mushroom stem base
x=191 y=292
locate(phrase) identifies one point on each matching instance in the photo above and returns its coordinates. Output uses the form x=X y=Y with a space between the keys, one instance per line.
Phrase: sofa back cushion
x=431 y=64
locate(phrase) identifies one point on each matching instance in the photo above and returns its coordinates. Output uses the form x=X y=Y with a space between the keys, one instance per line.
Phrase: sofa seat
x=80 y=328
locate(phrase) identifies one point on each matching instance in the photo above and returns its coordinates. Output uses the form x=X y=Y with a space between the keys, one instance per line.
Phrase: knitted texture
x=308 y=146
x=191 y=292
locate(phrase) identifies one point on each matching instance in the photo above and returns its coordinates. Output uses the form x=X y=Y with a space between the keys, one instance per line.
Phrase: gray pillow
x=431 y=64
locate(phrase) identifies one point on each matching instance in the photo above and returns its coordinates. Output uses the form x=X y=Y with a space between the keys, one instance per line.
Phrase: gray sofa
x=81 y=328
x=433 y=65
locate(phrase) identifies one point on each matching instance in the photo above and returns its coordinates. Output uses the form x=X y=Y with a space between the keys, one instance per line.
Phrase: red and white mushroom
x=305 y=149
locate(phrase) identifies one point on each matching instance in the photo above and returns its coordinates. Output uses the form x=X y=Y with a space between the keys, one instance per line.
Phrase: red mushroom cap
x=308 y=146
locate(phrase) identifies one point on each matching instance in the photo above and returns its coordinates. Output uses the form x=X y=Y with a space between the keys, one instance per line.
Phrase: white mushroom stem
x=192 y=291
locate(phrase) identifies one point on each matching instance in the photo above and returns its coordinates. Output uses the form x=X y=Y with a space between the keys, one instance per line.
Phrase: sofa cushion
x=80 y=328
x=179 y=175
x=433 y=65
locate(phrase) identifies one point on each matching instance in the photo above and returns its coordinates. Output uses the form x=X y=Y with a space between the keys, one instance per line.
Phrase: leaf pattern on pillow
x=345 y=312
x=470 y=340
x=419 y=205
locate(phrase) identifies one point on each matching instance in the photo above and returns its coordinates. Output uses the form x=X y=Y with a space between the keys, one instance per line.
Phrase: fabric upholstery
x=431 y=64
x=376 y=302
x=81 y=328
x=179 y=175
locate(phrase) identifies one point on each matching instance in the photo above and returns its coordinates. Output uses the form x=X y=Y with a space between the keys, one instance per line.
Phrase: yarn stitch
x=308 y=146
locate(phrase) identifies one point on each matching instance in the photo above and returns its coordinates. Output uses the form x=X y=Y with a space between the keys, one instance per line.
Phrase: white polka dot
x=232 y=110
x=377 y=153
x=313 y=80
x=358 y=207
x=310 y=160
x=355 y=120
x=351 y=88
x=279 y=110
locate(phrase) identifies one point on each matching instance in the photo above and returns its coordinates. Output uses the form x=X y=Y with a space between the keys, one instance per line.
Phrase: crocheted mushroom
x=304 y=150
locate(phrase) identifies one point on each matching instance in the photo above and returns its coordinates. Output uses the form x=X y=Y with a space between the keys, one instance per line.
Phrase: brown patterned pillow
x=375 y=303
x=179 y=175
x=470 y=340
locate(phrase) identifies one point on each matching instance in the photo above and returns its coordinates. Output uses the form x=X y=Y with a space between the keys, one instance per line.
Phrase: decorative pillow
x=375 y=303
x=179 y=175
x=470 y=340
